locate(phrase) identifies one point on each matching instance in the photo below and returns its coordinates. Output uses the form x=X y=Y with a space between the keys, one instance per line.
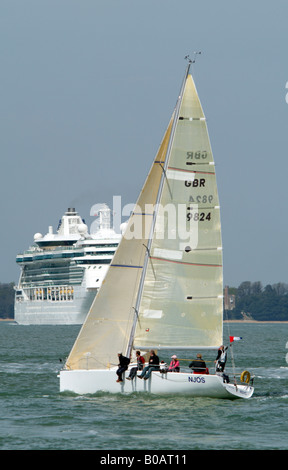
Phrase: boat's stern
x=239 y=390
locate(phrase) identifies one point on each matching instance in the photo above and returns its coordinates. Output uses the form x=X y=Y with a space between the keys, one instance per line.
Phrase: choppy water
x=35 y=416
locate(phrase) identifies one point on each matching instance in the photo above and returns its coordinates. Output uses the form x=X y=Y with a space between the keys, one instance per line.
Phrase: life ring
x=245 y=376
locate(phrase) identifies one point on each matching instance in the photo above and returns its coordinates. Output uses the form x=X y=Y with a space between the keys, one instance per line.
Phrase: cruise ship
x=62 y=272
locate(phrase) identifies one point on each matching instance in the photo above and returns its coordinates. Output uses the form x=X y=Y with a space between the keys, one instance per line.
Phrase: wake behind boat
x=164 y=287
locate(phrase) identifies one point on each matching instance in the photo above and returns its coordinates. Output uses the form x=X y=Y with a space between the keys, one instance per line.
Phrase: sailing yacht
x=164 y=286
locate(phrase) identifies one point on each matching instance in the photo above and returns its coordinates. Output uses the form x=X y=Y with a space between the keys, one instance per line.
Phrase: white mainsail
x=164 y=285
x=181 y=303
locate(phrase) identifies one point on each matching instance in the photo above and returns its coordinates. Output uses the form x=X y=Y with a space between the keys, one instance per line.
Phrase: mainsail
x=164 y=285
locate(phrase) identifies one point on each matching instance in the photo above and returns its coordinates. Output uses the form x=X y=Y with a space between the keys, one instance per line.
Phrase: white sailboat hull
x=197 y=385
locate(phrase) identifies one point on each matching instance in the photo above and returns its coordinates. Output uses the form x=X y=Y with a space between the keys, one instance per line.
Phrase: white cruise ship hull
x=45 y=312
x=92 y=381
x=62 y=272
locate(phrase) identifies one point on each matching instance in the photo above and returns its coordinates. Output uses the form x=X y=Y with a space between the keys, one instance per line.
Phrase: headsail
x=165 y=281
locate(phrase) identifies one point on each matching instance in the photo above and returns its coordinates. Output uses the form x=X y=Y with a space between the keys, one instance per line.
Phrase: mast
x=164 y=168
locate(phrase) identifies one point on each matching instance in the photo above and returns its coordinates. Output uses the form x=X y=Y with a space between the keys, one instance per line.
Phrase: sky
x=87 y=90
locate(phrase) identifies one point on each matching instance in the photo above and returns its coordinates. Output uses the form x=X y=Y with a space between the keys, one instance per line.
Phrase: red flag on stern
x=234 y=338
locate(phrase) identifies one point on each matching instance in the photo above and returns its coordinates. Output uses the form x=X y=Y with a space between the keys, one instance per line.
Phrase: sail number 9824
x=198 y=216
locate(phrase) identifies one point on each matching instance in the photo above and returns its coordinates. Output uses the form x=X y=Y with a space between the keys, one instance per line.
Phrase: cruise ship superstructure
x=62 y=272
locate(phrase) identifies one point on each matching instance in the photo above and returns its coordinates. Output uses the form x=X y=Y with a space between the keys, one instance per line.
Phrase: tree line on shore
x=255 y=302
x=252 y=301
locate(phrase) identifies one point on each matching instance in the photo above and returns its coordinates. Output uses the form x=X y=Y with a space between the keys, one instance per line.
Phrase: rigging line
x=186 y=262
x=233 y=364
x=86 y=359
x=137 y=315
x=231 y=349
x=136 y=312
x=167 y=181
x=125 y=266
x=150 y=257
x=181 y=359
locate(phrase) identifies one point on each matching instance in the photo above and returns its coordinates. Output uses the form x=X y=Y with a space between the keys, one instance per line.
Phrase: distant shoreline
x=254 y=321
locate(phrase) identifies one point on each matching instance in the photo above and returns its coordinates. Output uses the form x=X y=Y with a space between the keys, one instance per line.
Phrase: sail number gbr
x=196 y=183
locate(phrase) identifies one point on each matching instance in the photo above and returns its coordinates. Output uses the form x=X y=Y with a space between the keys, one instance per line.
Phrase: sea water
x=36 y=416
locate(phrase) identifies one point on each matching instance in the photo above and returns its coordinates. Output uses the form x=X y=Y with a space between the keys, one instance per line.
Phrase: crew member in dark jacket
x=198 y=365
x=140 y=365
x=122 y=366
x=153 y=365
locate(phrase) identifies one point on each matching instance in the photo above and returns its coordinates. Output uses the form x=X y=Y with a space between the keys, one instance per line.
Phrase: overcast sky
x=88 y=87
